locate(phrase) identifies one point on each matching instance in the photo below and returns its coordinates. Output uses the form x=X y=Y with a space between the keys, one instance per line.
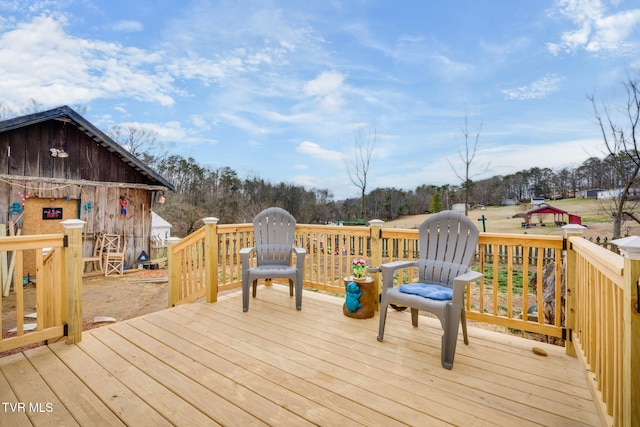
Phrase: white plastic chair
x=274 y=233
x=448 y=242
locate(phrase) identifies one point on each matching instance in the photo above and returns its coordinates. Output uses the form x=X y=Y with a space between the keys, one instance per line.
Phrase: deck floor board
x=212 y=364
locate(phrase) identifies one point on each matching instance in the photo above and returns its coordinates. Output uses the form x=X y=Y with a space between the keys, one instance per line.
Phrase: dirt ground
x=123 y=297
x=133 y=294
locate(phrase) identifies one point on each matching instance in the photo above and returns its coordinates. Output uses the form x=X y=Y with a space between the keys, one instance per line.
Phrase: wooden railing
x=330 y=250
x=503 y=298
x=190 y=277
x=597 y=303
x=187 y=268
x=604 y=327
x=58 y=281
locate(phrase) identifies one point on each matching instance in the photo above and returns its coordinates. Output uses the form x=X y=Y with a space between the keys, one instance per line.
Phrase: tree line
x=202 y=191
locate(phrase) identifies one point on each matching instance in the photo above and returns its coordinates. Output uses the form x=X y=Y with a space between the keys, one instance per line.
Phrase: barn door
x=43 y=216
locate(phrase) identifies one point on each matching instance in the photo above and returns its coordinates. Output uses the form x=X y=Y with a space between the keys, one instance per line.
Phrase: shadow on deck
x=210 y=364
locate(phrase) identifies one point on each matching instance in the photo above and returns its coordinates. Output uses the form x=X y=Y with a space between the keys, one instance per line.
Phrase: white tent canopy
x=160 y=229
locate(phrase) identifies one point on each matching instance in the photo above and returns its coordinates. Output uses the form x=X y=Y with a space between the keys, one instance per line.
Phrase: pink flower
x=358 y=267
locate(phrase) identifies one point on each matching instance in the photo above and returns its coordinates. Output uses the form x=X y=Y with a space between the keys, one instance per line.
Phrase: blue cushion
x=437 y=292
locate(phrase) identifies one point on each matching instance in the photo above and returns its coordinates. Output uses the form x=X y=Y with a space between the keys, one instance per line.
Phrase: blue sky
x=281 y=88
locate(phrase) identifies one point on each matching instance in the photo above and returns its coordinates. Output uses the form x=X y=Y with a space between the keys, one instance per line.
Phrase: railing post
x=630 y=251
x=211 y=258
x=73 y=279
x=175 y=281
x=571 y=230
x=375 y=226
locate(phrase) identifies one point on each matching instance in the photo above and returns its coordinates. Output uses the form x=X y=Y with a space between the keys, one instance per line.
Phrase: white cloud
x=308 y=181
x=538 y=89
x=317 y=152
x=127 y=26
x=596 y=30
x=508 y=159
x=448 y=68
x=501 y=160
x=170 y=131
x=199 y=122
x=39 y=60
x=327 y=87
x=240 y=122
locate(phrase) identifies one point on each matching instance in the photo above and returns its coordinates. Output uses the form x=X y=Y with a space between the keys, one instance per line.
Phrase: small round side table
x=367 y=299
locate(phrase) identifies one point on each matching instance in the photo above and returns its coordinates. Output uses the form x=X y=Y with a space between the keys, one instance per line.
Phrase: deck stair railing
x=58 y=281
x=604 y=324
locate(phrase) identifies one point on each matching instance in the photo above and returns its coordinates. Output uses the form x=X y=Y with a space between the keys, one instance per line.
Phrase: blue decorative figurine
x=353 y=294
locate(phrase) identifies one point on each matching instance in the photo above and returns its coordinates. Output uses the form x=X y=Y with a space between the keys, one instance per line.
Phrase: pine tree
x=436 y=203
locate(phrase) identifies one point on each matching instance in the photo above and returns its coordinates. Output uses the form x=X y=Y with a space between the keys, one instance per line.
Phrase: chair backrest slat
x=448 y=241
x=274 y=232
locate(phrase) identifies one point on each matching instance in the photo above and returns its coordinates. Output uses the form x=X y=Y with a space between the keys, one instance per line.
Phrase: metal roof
x=90 y=130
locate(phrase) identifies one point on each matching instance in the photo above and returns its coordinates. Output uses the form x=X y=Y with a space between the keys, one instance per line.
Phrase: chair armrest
x=300 y=254
x=389 y=268
x=245 y=256
x=469 y=276
x=460 y=283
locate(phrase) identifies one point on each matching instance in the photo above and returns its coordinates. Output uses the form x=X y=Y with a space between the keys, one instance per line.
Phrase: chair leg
x=383 y=318
x=245 y=294
x=255 y=287
x=463 y=320
x=414 y=317
x=290 y=287
x=452 y=316
x=298 y=293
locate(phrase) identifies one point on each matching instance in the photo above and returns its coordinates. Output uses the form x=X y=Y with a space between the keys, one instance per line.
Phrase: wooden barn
x=55 y=165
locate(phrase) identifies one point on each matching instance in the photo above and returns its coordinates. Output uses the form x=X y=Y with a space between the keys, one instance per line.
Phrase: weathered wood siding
x=25 y=152
x=30 y=155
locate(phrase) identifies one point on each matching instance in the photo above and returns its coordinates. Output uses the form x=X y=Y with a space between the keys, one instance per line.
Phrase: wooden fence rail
x=58 y=287
x=605 y=326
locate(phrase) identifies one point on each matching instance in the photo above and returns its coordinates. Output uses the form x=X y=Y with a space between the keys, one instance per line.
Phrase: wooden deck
x=211 y=364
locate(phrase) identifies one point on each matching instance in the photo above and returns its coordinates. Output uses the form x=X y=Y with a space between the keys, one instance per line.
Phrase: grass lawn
x=499 y=219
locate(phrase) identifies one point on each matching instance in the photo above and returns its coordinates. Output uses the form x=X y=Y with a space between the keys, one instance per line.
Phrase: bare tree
x=136 y=140
x=33 y=106
x=467 y=154
x=6 y=112
x=621 y=141
x=358 y=165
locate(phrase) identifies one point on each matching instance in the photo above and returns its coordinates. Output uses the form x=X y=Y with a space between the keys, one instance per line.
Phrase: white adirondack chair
x=448 y=242
x=274 y=233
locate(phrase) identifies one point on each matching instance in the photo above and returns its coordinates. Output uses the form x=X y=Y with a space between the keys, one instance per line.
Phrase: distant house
x=459 y=207
x=634 y=193
x=55 y=165
x=591 y=193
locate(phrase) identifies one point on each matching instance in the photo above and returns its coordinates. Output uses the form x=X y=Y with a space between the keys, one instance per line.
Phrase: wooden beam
x=73 y=279
x=3 y=262
x=82 y=182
